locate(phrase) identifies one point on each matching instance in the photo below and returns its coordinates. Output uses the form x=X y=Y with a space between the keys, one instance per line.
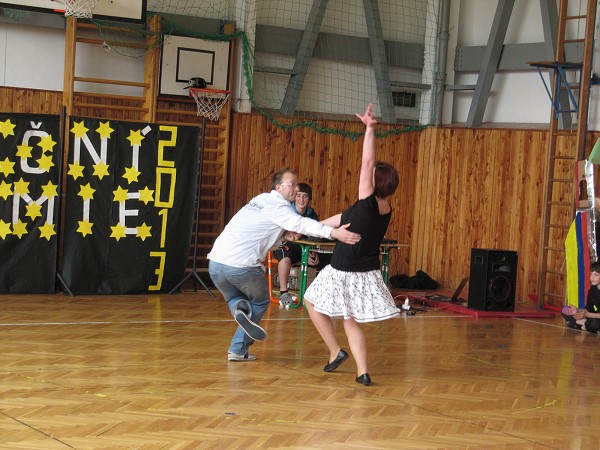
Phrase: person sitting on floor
x=588 y=318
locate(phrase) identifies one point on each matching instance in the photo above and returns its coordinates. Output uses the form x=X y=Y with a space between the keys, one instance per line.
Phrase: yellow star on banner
x=19 y=229
x=120 y=194
x=86 y=192
x=101 y=170
x=45 y=162
x=135 y=137
x=5 y=190
x=47 y=231
x=50 y=190
x=21 y=187
x=146 y=195
x=24 y=151
x=75 y=170
x=7 y=167
x=104 y=130
x=79 y=129
x=34 y=210
x=143 y=231
x=4 y=229
x=131 y=174
x=6 y=128
x=85 y=227
x=118 y=231
x=46 y=143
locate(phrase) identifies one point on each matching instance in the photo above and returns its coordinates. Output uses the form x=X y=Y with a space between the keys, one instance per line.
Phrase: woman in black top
x=352 y=286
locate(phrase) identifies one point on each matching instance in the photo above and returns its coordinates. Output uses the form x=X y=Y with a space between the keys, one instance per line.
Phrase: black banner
x=130 y=205
x=30 y=156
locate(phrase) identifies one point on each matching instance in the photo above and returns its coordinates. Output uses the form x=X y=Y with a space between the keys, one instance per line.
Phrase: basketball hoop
x=81 y=9
x=209 y=101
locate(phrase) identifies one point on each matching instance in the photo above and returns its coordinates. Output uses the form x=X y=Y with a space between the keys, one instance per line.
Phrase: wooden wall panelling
x=329 y=192
x=462 y=226
x=401 y=151
x=470 y=185
x=443 y=211
x=307 y=169
x=329 y=162
x=447 y=214
x=460 y=188
x=422 y=197
x=30 y=101
x=531 y=197
x=319 y=177
x=429 y=211
x=513 y=168
x=265 y=157
x=440 y=209
x=343 y=163
x=481 y=207
x=531 y=207
x=239 y=169
x=465 y=176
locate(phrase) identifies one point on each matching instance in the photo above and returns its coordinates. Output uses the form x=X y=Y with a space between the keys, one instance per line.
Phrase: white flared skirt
x=363 y=296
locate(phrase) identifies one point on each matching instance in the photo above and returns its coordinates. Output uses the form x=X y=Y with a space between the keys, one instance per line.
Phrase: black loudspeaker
x=493 y=280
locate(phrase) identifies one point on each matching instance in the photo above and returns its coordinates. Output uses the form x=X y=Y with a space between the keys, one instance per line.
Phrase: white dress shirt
x=258 y=227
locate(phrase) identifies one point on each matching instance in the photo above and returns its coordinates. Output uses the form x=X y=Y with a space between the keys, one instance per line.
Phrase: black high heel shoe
x=339 y=359
x=364 y=379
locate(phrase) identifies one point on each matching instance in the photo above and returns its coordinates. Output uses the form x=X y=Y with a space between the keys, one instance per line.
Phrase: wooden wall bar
x=460 y=188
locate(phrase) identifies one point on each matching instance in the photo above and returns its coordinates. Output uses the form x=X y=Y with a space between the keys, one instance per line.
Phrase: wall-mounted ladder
x=571 y=74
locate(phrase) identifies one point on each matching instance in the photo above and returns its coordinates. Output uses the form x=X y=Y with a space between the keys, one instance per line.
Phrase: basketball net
x=209 y=101
x=81 y=9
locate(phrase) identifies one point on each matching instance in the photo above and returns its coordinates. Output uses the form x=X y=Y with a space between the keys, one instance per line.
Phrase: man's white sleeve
x=289 y=220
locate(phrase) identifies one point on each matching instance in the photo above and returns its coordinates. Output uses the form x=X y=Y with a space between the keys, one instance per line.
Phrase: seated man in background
x=289 y=253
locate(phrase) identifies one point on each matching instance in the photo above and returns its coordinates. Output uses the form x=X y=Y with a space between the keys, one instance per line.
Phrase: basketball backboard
x=184 y=57
x=120 y=10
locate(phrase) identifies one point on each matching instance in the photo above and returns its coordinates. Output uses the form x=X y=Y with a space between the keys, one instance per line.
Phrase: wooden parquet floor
x=150 y=372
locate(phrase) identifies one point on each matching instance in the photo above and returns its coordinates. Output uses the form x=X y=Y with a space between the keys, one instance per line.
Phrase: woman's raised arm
x=365 y=187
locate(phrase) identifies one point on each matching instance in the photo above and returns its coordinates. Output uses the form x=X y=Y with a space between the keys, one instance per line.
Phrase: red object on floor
x=462 y=309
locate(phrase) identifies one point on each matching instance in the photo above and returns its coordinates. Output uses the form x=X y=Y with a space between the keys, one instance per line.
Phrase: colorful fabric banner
x=578 y=260
x=30 y=156
x=130 y=201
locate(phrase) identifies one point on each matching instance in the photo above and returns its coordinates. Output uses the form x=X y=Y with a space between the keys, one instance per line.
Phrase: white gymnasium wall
x=517 y=97
x=32 y=56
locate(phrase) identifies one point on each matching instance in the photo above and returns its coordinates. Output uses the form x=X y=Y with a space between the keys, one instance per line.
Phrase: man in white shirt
x=236 y=259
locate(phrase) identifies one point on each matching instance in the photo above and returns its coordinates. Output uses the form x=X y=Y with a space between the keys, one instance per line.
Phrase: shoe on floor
x=249 y=327
x=339 y=359
x=236 y=357
x=364 y=379
x=285 y=299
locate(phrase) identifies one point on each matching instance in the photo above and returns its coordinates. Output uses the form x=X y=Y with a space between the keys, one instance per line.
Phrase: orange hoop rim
x=208 y=90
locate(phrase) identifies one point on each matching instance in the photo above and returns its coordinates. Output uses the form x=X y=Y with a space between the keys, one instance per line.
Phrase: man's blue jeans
x=241 y=283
